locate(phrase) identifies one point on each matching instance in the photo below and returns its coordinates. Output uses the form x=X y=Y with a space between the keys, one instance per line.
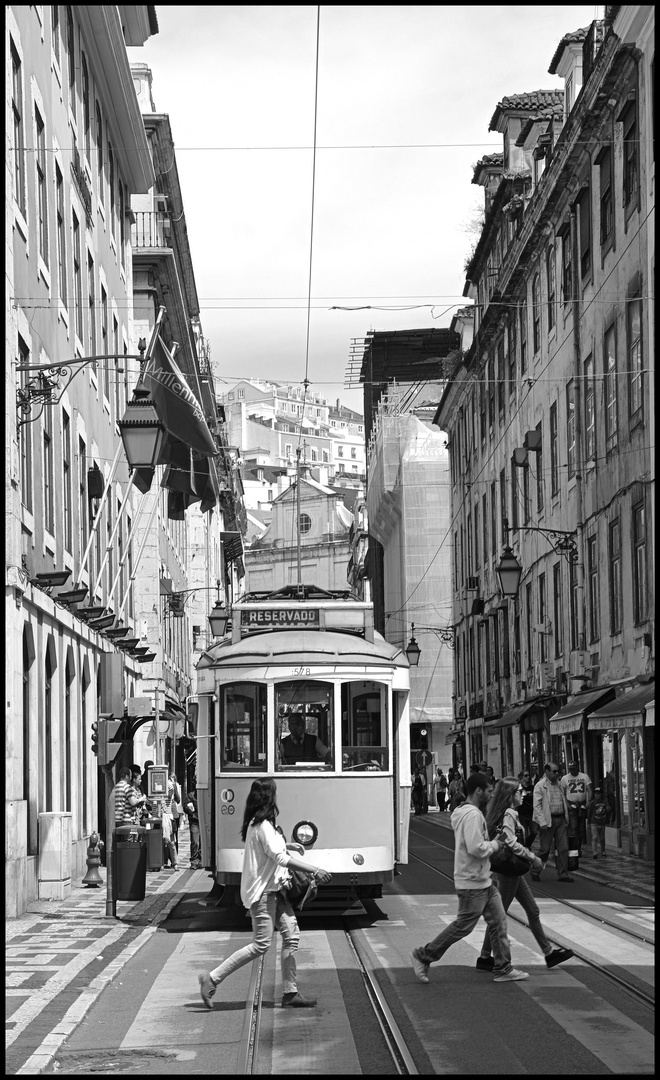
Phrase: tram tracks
x=248 y=1053
x=396 y=1044
x=632 y=988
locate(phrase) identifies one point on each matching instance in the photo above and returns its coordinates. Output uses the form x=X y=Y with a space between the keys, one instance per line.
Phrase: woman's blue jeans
x=517 y=888
x=273 y=911
x=472 y=904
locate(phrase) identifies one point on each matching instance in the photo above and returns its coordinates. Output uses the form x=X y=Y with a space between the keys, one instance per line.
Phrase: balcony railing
x=152 y=229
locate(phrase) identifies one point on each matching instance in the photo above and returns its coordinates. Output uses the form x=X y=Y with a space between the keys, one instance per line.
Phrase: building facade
x=321 y=556
x=76 y=153
x=551 y=430
x=406 y=558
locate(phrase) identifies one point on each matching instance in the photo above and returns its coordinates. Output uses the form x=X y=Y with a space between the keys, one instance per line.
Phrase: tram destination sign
x=282 y=618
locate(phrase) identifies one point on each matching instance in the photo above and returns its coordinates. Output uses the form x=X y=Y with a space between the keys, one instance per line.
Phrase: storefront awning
x=569 y=717
x=626 y=711
x=512 y=716
x=451 y=739
x=650 y=714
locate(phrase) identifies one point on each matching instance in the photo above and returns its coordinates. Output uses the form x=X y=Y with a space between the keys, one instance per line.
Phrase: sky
x=374 y=228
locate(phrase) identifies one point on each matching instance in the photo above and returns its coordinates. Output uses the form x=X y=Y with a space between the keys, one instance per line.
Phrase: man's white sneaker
x=515 y=975
x=419 y=967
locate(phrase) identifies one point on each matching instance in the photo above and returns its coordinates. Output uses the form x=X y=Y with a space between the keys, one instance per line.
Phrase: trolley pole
x=110 y=902
x=156 y=733
x=298 y=452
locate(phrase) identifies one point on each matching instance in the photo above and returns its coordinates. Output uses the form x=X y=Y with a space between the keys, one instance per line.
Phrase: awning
x=569 y=717
x=626 y=711
x=650 y=714
x=512 y=716
x=233 y=545
x=453 y=738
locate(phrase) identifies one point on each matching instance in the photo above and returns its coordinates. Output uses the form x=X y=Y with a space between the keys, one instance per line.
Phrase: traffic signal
x=109 y=740
x=105 y=741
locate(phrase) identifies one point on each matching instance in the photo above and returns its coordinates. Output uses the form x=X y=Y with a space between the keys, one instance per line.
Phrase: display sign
x=156 y=781
x=423 y=758
x=280 y=619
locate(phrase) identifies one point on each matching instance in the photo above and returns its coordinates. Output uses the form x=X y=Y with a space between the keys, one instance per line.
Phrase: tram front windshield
x=306 y=729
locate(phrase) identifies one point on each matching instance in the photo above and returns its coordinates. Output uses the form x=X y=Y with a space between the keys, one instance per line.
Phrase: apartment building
x=551 y=429
x=76 y=154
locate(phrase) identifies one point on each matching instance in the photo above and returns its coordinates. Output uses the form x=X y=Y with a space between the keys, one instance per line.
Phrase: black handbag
x=505 y=861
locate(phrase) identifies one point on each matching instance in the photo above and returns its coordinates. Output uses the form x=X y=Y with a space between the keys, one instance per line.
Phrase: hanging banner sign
x=280 y=619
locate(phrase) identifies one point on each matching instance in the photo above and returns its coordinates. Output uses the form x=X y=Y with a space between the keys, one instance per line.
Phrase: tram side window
x=305 y=725
x=364 y=727
x=243 y=727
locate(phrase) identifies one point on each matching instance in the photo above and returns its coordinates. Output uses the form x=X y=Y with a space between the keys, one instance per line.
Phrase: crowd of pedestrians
x=488 y=816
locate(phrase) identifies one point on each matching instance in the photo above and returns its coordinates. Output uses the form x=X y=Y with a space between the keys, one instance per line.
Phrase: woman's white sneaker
x=514 y=975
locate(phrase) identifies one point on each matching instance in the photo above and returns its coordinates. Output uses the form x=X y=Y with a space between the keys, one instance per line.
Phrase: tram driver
x=301 y=745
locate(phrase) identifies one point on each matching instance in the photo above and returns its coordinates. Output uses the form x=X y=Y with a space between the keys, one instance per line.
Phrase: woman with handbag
x=265 y=881
x=510 y=866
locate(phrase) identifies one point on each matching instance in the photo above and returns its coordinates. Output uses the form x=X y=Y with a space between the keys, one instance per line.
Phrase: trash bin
x=130 y=855
x=154 y=827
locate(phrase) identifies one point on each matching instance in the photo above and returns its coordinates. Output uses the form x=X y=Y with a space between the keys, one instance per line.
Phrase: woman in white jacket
x=502 y=814
x=264 y=882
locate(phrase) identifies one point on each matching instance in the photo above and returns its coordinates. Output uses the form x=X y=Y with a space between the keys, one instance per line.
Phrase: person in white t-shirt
x=264 y=883
x=577 y=788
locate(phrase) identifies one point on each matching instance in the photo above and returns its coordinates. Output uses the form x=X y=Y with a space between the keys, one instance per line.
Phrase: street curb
x=39 y=1061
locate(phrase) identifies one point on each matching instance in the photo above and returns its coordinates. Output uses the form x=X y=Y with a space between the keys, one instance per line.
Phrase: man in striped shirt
x=127 y=799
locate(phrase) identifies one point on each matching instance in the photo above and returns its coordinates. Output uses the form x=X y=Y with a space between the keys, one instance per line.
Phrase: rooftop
x=576 y=37
x=534 y=101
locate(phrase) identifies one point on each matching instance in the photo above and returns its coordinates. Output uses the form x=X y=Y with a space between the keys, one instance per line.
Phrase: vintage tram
x=306 y=691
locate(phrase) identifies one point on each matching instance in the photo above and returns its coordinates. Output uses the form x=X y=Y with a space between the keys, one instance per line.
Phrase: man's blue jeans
x=472 y=904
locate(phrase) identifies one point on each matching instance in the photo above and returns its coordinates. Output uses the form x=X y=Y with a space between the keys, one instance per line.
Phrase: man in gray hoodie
x=477 y=893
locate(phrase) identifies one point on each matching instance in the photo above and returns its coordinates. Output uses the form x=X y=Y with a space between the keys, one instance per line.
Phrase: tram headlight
x=305 y=833
x=358 y=860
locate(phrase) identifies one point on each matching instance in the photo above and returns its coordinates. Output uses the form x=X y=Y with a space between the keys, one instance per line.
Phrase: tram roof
x=307 y=647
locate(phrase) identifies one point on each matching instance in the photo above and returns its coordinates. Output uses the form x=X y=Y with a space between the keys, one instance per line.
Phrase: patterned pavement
x=61 y=954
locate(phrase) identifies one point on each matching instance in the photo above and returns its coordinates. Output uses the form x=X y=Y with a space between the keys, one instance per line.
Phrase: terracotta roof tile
x=576 y=37
x=534 y=101
x=545 y=118
x=488 y=160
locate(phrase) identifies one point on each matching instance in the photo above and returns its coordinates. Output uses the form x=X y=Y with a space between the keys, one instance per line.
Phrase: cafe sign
x=279 y=619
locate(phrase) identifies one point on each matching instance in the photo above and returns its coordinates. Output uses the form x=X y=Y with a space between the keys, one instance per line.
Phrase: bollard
x=92 y=878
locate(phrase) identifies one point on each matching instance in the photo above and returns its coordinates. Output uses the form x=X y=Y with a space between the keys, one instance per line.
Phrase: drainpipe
x=579 y=507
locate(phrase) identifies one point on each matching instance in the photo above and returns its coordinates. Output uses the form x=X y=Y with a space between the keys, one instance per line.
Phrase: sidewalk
x=62 y=954
x=624 y=872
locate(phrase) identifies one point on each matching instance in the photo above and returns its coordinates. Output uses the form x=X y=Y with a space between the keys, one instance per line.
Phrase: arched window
x=552 y=287
x=536 y=312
